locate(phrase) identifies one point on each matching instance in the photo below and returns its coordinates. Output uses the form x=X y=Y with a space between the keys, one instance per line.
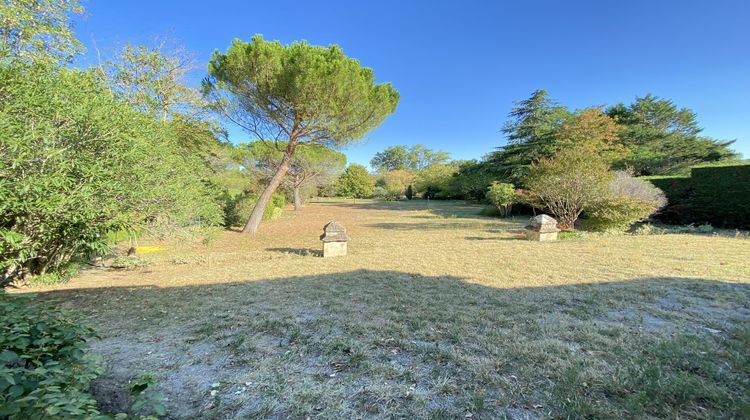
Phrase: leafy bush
x=617 y=214
x=45 y=370
x=355 y=182
x=502 y=195
x=409 y=192
x=629 y=201
x=238 y=212
x=79 y=163
x=382 y=193
x=567 y=184
x=471 y=181
x=145 y=400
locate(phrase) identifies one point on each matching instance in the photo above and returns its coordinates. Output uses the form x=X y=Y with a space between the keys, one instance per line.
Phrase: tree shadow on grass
x=324 y=345
x=497 y=238
x=438 y=208
x=298 y=251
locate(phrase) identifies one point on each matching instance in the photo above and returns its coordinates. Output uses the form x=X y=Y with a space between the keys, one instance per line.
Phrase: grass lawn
x=435 y=313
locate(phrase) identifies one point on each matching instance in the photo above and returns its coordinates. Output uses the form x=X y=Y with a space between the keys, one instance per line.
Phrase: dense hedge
x=718 y=195
x=677 y=190
x=721 y=195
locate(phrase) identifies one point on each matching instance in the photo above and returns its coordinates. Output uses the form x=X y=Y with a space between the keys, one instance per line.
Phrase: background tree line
x=564 y=162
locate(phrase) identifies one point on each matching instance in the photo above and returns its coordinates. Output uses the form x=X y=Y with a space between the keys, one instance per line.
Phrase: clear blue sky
x=460 y=65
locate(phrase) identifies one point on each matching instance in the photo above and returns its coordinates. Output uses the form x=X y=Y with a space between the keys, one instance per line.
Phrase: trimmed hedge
x=719 y=195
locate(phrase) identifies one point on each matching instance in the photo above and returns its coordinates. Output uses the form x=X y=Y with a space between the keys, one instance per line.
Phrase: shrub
x=355 y=182
x=625 y=185
x=502 y=195
x=45 y=370
x=471 y=180
x=648 y=229
x=567 y=184
x=239 y=210
x=617 y=214
x=145 y=400
x=78 y=163
x=409 y=192
x=382 y=193
x=629 y=200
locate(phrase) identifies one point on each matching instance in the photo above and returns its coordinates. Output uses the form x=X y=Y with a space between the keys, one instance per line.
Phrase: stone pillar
x=542 y=228
x=334 y=240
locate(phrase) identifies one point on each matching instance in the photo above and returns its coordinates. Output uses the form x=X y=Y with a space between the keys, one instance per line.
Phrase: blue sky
x=460 y=65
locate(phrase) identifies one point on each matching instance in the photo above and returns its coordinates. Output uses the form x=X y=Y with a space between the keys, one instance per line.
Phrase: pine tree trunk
x=297 y=198
x=257 y=215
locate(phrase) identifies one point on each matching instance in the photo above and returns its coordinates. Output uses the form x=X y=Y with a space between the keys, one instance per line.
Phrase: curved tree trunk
x=257 y=215
x=297 y=198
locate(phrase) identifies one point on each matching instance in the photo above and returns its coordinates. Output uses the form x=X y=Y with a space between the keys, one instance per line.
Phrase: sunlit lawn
x=435 y=312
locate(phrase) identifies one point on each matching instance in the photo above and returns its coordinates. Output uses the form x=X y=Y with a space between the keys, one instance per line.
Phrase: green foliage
x=393 y=184
x=45 y=371
x=435 y=180
x=38 y=30
x=355 y=182
x=79 y=163
x=630 y=200
x=238 y=212
x=651 y=136
x=567 y=184
x=471 y=180
x=717 y=194
x=128 y=262
x=501 y=195
x=414 y=158
x=721 y=195
x=311 y=92
x=529 y=132
x=617 y=214
x=491 y=211
x=664 y=139
x=409 y=192
x=307 y=93
x=649 y=229
x=153 y=79
x=145 y=400
x=312 y=164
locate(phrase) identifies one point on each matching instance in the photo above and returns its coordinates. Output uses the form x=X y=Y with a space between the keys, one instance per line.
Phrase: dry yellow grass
x=435 y=312
x=436 y=239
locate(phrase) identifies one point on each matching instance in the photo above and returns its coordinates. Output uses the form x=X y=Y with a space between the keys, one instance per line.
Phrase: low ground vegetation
x=45 y=370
